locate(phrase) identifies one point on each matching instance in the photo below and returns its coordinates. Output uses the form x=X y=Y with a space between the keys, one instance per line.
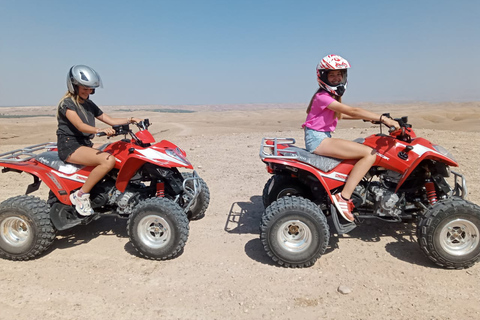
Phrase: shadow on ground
x=404 y=245
x=104 y=226
x=109 y=225
x=245 y=217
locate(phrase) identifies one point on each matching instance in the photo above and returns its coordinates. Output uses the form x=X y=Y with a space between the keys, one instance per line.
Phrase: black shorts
x=68 y=144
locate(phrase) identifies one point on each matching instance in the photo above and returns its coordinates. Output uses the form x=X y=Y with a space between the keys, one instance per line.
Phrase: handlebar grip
x=100 y=134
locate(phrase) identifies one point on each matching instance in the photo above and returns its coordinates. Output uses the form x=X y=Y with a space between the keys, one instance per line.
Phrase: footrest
x=65 y=217
x=342 y=228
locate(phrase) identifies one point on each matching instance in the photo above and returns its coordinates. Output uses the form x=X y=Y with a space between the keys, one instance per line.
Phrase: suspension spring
x=431 y=193
x=160 y=190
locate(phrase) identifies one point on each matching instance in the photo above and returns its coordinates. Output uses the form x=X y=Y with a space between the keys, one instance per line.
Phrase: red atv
x=406 y=182
x=145 y=187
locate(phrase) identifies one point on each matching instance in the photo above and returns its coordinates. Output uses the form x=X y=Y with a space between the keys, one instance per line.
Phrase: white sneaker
x=82 y=204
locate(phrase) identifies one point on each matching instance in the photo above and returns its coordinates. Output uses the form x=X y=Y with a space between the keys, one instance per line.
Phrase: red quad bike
x=406 y=182
x=145 y=187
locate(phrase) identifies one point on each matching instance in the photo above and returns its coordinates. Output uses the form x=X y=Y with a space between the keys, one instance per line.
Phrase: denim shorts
x=68 y=144
x=314 y=137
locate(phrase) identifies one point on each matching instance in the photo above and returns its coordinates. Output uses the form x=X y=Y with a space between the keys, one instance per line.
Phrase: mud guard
x=64 y=217
x=341 y=228
x=34 y=186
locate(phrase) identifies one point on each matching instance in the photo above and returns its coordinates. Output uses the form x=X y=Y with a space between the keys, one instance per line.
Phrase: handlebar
x=403 y=122
x=390 y=129
x=124 y=129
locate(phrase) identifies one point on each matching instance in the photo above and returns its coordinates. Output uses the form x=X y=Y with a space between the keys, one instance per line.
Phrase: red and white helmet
x=329 y=63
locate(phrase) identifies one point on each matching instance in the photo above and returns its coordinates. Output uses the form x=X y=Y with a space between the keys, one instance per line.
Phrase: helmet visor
x=335 y=77
x=97 y=85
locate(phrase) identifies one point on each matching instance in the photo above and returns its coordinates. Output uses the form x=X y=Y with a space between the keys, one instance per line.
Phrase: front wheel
x=25 y=228
x=294 y=232
x=449 y=233
x=158 y=228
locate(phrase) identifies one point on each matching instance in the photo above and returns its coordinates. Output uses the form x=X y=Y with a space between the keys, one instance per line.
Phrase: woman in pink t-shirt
x=324 y=111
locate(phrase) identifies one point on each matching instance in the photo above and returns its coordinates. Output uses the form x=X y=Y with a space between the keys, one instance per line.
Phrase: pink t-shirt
x=321 y=118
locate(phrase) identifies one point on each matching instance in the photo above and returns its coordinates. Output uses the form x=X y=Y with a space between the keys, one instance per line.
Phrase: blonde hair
x=76 y=99
x=338 y=115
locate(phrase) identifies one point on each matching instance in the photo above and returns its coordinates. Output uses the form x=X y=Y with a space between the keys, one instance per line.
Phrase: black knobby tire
x=294 y=232
x=279 y=186
x=158 y=228
x=449 y=233
x=26 y=230
x=200 y=205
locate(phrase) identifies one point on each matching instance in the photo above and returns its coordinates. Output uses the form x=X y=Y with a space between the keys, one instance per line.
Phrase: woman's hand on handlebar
x=391 y=123
x=134 y=120
x=106 y=132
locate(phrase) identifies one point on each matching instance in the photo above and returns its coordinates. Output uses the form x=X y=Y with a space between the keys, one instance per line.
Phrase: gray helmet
x=82 y=75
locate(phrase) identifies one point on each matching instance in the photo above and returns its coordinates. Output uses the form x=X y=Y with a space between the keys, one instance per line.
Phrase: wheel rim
x=459 y=237
x=15 y=231
x=288 y=192
x=154 y=231
x=294 y=236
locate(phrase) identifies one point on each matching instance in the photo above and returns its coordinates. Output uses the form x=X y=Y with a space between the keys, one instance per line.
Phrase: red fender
x=45 y=174
x=134 y=162
x=330 y=180
x=428 y=155
x=127 y=171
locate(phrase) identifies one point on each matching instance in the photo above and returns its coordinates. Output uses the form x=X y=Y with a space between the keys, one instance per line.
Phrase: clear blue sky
x=229 y=52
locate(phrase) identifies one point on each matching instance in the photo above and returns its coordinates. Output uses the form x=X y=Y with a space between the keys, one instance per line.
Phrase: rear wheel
x=279 y=186
x=158 y=228
x=25 y=228
x=449 y=233
x=294 y=232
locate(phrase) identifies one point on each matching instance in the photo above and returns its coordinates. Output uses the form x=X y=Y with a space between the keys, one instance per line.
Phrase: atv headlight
x=444 y=152
x=177 y=155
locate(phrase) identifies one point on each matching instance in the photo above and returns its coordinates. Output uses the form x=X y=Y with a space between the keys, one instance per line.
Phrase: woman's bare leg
x=344 y=149
x=103 y=162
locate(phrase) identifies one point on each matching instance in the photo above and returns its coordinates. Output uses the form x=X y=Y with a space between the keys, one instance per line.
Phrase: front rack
x=27 y=153
x=192 y=193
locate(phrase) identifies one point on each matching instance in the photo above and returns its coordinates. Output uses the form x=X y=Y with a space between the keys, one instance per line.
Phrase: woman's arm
x=359 y=113
x=116 y=121
x=347 y=117
x=73 y=117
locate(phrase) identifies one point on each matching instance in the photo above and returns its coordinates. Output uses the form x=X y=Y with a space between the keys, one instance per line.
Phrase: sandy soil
x=93 y=272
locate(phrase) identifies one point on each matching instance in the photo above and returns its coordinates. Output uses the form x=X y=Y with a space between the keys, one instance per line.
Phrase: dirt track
x=93 y=272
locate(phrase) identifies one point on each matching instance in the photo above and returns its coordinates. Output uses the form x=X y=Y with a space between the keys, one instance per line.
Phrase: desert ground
x=93 y=271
